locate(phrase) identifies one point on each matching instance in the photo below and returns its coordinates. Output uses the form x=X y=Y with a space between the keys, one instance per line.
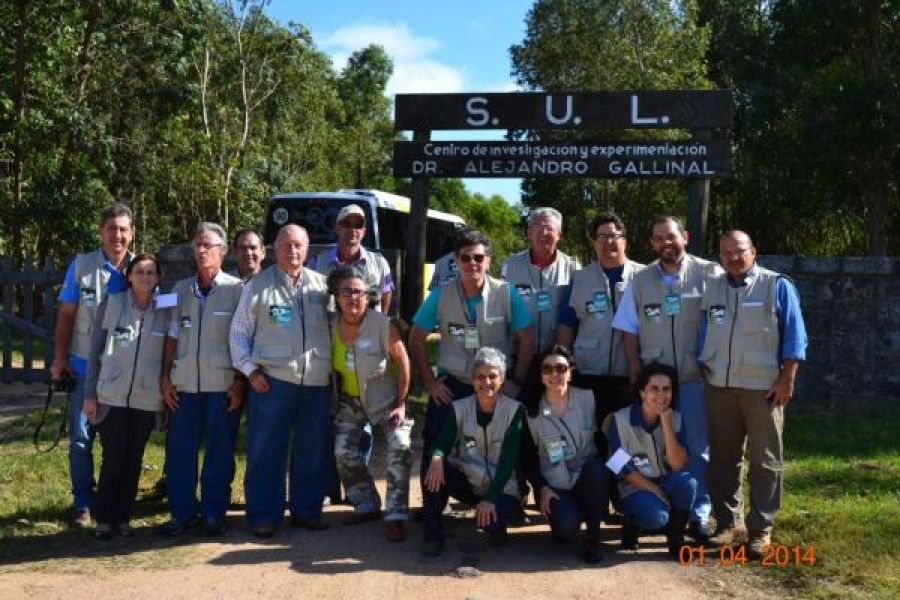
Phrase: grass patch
x=842 y=496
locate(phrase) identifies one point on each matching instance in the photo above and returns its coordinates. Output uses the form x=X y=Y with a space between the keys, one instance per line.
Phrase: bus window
x=316 y=215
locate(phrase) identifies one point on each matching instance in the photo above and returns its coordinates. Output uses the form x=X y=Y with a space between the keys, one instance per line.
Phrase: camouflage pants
x=349 y=421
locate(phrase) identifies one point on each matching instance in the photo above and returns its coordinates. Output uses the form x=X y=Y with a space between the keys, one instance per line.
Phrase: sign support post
x=413 y=285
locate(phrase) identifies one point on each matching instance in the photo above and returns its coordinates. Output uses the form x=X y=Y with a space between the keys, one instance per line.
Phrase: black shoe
x=630 y=533
x=174 y=527
x=699 y=532
x=592 y=550
x=675 y=531
x=314 y=524
x=103 y=531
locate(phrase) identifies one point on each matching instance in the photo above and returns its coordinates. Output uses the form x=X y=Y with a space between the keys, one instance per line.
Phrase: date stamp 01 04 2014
x=774 y=556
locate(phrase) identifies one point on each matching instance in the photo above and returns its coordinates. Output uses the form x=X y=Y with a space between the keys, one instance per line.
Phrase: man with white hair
x=280 y=339
x=541 y=273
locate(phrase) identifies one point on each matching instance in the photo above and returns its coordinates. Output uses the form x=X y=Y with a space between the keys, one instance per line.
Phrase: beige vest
x=671 y=339
x=493 y=319
x=598 y=347
x=647 y=450
x=92 y=280
x=292 y=340
x=570 y=438
x=131 y=361
x=203 y=359
x=478 y=449
x=530 y=281
x=741 y=344
x=377 y=385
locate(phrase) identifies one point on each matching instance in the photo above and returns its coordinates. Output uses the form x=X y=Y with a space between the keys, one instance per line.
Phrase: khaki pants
x=738 y=418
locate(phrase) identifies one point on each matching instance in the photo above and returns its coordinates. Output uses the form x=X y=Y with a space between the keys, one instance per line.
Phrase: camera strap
x=63 y=426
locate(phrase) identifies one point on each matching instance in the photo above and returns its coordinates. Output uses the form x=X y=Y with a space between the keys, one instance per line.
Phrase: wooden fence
x=27 y=312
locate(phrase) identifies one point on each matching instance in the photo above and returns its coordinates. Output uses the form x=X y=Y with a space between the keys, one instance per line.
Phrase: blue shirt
x=637 y=420
x=791 y=328
x=567 y=314
x=426 y=317
x=71 y=294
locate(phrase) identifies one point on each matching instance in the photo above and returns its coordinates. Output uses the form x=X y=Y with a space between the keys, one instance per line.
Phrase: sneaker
x=699 y=532
x=82 y=519
x=395 y=531
x=724 y=536
x=433 y=549
x=126 y=530
x=103 y=531
x=757 y=543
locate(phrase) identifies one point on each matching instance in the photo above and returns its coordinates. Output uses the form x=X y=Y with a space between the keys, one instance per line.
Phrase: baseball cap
x=349 y=210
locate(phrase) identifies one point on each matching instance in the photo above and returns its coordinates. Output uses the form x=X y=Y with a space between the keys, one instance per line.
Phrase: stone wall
x=852 y=310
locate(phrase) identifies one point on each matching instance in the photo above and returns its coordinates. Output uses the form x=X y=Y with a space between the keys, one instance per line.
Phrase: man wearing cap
x=541 y=273
x=89 y=278
x=350 y=228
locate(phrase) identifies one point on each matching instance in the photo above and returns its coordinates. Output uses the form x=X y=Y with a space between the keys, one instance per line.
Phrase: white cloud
x=415 y=70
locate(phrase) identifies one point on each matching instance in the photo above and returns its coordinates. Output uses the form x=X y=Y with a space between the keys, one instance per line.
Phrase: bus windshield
x=316 y=213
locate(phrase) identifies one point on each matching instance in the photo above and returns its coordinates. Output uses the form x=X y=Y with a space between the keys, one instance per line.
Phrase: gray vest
x=598 y=347
x=131 y=361
x=671 y=339
x=292 y=340
x=647 y=450
x=478 y=449
x=493 y=318
x=741 y=344
x=203 y=359
x=372 y=264
x=92 y=280
x=531 y=281
x=377 y=384
x=570 y=438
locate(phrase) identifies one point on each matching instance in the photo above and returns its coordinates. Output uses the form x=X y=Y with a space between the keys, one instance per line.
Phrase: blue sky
x=450 y=46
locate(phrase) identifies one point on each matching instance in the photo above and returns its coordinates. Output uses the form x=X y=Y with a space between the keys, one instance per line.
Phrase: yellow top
x=340 y=361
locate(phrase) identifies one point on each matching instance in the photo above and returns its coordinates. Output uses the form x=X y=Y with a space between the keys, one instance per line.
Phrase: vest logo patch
x=280 y=314
x=653 y=313
x=717 y=314
x=642 y=463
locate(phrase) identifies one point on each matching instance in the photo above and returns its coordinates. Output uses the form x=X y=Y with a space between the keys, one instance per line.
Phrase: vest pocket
x=760 y=365
x=273 y=351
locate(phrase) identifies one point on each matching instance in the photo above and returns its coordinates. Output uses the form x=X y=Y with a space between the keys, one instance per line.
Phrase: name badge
x=121 y=337
x=349 y=359
x=88 y=297
x=525 y=292
x=717 y=314
x=673 y=304
x=471 y=446
x=280 y=314
x=556 y=450
x=471 y=339
x=652 y=313
x=601 y=303
x=543 y=301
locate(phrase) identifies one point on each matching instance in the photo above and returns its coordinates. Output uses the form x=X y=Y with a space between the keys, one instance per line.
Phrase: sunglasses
x=467 y=258
x=353 y=225
x=558 y=368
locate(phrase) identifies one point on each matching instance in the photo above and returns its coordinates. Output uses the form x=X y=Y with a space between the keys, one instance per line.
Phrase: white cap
x=350 y=209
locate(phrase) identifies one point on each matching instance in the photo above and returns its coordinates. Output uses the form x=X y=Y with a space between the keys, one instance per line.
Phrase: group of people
x=613 y=384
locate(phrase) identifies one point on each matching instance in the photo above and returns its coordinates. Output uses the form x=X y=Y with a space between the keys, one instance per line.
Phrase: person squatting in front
x=656 y=486
x=201 y=389
x=280 y=340
x=366 y=349
x=122 y=397
x=559 y=454
x=475 y=456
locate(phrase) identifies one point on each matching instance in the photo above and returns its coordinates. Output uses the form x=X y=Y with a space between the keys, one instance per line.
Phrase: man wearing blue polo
x=89 y=278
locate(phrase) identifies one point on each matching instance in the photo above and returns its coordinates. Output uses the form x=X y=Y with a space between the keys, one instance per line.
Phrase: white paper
x=166 y=300
x=618 y=460
x=751 y=304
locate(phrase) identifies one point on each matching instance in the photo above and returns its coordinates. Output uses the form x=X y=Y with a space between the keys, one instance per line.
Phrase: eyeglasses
x=353 y=225
x=467 y=258
x=352 y=293
x=206 y=245
x=608 y=237
x=558 y=368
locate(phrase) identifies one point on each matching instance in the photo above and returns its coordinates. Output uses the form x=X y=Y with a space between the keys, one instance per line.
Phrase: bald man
x=280 y=340
x=753 y=339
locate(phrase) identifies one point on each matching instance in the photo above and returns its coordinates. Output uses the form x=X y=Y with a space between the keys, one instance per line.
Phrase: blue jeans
x=459 y=487
x=651 y=513
x=200 y=419
x=436 y=414
x=293 y=413
x=587 y=502
x=81 y=457
x=693 y=415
